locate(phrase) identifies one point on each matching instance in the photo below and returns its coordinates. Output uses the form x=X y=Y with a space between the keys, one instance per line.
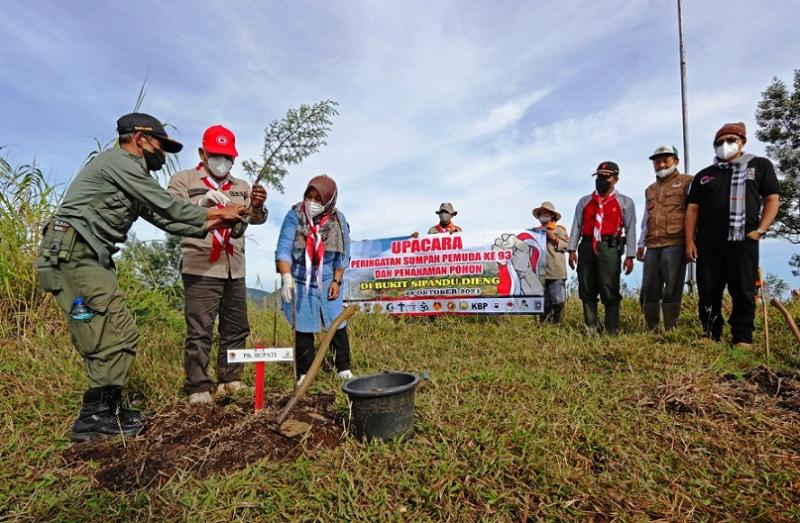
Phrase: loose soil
x=205 y=440
x=757 y=389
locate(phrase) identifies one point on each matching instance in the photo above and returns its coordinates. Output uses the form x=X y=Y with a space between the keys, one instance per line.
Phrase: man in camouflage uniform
x=100 y=205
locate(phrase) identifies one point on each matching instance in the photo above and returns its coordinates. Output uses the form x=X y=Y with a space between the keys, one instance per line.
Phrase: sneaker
x=231 y=387
x=200 y=397
x=300 y=381
x=345 y=374
x=743 y=345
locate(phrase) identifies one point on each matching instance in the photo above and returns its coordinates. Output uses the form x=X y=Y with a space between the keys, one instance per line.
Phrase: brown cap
x=737 y=128
x=607 y=169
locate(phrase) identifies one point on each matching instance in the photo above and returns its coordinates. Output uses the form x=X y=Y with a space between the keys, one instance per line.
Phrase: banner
x=462 y=273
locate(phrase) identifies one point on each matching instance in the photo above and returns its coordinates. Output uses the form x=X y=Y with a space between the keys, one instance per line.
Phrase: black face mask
x=154 y=160
x=602 y=185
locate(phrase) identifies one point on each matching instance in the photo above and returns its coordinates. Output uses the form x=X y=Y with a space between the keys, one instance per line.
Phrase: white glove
x=213 y=198
x=287 y=287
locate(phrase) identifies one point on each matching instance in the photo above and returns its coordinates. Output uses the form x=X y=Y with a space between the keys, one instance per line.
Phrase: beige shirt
x=556 y=267
x=195 y=252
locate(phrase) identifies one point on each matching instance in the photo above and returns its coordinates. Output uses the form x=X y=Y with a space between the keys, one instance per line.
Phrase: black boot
x=672 y=312
x=101 y=415
x=556 y=313
x=612 y=319
x=590 y=316
x=652 y=315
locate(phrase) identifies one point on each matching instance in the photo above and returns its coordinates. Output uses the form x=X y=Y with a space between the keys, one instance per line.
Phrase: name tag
x=197 y=191
x=751 y=173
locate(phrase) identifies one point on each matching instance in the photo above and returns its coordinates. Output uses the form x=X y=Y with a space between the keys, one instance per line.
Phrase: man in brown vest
x=661 y=243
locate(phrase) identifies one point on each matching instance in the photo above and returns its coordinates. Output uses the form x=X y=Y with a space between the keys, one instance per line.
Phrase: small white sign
x=272 y=354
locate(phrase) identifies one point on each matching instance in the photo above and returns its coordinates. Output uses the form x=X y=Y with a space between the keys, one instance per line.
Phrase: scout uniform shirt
x=111 y=192
x=196 y=254
x=449 y=228
x=556 y=266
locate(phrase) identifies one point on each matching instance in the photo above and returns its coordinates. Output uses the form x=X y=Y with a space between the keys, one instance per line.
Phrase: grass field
x=519 y=421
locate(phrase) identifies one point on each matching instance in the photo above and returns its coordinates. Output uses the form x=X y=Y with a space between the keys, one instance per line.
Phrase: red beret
x=737 y=128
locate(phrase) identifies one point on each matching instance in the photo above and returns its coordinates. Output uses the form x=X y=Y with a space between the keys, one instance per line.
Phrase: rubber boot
x=556 y=313
x=102 y=415
x=671 y=312
x=652 y=315
x=590 y=316
x=612 y=319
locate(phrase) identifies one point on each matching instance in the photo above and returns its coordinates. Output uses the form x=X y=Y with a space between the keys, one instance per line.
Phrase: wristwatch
x=761 y=232
x=337 y=282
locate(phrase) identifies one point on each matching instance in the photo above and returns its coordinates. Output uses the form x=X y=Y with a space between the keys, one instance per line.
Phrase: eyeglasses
x=730 y=140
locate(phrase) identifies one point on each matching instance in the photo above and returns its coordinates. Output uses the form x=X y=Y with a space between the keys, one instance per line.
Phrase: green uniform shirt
x=111 y=192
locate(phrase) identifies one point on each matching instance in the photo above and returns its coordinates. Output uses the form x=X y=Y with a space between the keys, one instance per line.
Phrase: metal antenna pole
x=684 y=101
x=690 y=276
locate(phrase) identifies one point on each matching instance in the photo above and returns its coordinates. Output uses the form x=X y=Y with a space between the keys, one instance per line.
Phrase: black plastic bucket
x=383 y=405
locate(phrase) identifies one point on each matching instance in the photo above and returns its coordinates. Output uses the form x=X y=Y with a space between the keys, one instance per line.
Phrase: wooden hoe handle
x=317 y=363
x=786 y=316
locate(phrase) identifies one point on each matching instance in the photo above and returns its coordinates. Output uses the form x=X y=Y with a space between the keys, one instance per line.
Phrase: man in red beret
x=214 y=267
x=732 y=204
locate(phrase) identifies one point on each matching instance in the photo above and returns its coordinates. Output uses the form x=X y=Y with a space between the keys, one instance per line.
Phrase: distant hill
x=257 y=296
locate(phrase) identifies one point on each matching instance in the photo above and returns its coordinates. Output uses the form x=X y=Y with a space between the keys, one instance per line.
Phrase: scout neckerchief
x=736 y=205
x=220 y=237
x=451 y=227
x=315 y=245
x=601 y=202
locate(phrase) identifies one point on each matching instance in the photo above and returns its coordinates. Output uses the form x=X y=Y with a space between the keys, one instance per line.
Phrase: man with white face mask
x=214 y=267
x=555 y=273
x=446 y=213
x=661 y=241
x=724 y=222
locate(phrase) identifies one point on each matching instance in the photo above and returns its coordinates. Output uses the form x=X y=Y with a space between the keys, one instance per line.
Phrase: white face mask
x=726 y=151
x=313 y=208
x=544 y=219
x=219 y=166
x=663 y=173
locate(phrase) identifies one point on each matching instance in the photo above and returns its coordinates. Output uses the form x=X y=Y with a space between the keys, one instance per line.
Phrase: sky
x=492 y=105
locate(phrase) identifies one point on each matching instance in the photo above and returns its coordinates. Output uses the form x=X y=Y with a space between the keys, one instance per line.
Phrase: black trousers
x=306 y=352
x=735 y=265
x=205 y=299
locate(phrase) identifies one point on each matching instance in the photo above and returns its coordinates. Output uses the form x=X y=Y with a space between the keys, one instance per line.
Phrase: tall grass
x=27 y=199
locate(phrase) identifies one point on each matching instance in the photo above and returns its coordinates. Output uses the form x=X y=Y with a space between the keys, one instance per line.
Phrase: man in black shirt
x=724 y=222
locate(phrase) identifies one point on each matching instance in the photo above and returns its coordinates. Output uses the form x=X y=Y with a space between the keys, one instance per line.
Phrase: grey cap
x=665 y=150
x=448 y=208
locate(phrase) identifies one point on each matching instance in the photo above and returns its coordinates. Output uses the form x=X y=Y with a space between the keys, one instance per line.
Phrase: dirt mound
x=760 y=388
x=202 y=440
x=783 y=387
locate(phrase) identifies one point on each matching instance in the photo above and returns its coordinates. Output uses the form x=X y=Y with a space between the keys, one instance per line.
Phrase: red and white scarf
x=315 y=245
x=221 y=238
x=600 y=202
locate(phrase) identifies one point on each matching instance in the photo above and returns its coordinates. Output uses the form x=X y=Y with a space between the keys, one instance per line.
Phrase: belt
x=605 y=238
